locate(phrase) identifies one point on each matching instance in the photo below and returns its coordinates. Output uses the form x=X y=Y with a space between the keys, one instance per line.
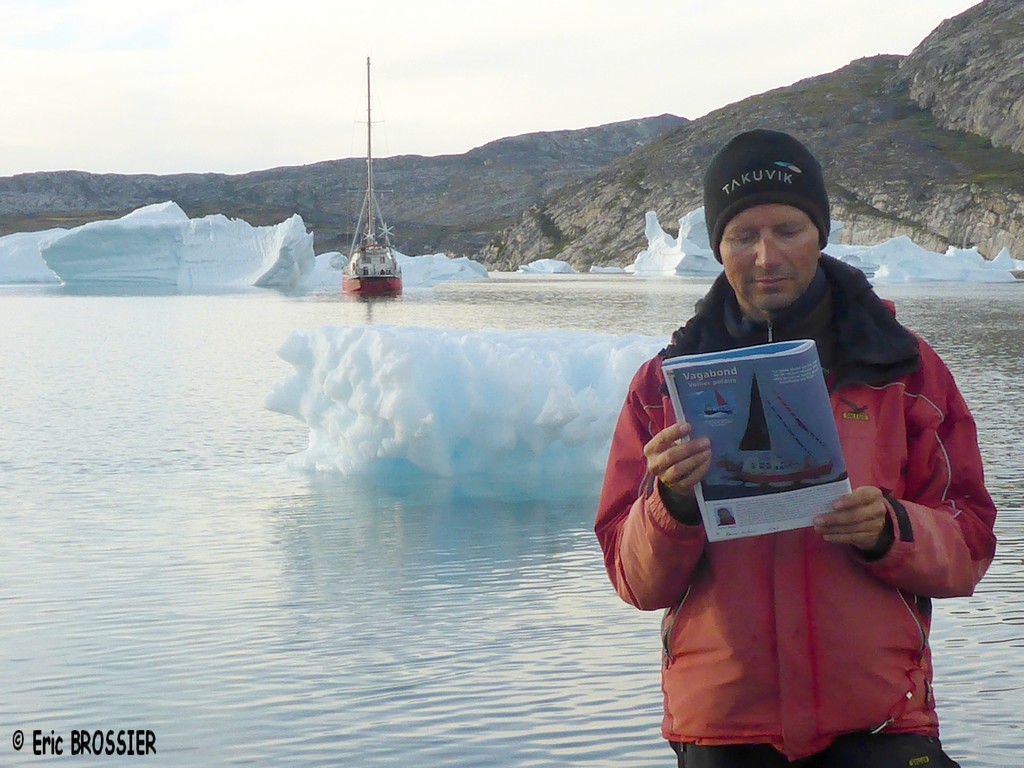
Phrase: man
x=806 y=647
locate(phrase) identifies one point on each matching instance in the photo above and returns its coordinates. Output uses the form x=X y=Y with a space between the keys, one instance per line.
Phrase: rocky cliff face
x=922 y=145
x=969 y=73
x=453 y=203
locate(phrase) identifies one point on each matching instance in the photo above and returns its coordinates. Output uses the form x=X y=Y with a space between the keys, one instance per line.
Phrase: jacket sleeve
x=650 y=556
x=943 y=516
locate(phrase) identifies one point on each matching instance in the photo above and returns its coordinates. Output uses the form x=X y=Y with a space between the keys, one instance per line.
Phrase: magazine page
x=776 y=461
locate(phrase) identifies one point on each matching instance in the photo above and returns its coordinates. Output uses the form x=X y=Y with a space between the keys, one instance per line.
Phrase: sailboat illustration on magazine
x=776 y=461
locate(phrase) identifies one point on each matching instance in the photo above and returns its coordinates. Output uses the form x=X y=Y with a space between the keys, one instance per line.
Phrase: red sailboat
x=760 y=464
x=721 y=405
x=372 y=268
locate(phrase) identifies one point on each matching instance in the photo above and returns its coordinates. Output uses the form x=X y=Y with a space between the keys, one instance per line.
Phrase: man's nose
x=767 y=251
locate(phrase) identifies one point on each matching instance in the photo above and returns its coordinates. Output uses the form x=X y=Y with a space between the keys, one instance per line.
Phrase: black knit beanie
x=759 y=167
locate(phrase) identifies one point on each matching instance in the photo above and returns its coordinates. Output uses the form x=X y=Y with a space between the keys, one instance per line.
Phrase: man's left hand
x=857 y=519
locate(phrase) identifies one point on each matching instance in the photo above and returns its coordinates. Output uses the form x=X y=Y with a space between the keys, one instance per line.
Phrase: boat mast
x=371 y=201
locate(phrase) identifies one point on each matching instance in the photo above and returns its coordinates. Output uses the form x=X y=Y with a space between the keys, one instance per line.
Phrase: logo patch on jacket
x=856 y=412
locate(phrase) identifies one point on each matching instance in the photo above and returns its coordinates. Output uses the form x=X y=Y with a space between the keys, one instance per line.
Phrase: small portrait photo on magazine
x=725 y=516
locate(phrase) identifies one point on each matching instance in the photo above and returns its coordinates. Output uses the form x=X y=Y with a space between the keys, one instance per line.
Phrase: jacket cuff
x=899 y=513
x=683 y=509
x=888 y=535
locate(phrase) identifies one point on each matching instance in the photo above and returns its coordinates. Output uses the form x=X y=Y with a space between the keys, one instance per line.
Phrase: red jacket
x=787 y=639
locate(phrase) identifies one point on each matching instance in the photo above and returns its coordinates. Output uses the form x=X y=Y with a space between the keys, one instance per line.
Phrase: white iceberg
x=688 y=254
x=434 y=268
x=901 y=260
x=547 y=267
x=20 y=261
x=158 y=246
x=549 y=399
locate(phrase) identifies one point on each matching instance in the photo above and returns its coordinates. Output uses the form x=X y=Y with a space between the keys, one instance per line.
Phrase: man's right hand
x=678 y=462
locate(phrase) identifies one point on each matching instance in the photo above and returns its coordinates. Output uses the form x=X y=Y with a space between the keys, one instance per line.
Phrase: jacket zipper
x=666 y=632
x=924 y=644
x=907 y=697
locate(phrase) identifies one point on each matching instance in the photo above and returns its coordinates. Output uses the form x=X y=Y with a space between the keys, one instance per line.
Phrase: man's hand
x=857 y=519
x=677 y=462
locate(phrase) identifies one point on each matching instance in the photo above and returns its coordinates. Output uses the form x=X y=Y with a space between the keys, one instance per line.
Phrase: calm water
x=161 y=569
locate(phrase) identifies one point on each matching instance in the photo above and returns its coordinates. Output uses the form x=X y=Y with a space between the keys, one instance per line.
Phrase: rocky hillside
x=452 y=203
x=970 y=73
x=925 y=145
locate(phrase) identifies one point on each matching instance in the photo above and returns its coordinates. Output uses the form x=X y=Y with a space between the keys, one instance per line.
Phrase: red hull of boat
x=767 y=478
x=385 y=285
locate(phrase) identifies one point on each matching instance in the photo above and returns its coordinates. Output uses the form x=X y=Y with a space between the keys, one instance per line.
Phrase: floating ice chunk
x=160 y=246
x=547 y=267
x=688 y=254
x=498 y=404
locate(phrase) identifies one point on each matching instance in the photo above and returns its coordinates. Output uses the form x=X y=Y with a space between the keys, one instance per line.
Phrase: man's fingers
x=864 y=496
x=684 y=465
x=857 y=519
x=688 y=468
x=847 y=518
x=675 y=460
x=666 y=438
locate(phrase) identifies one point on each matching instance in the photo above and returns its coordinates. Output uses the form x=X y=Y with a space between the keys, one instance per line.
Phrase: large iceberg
x=688 y=254
x=548 y=400
x=159 y=246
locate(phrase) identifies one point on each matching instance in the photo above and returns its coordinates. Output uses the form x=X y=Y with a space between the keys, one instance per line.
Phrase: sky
x=232 y=86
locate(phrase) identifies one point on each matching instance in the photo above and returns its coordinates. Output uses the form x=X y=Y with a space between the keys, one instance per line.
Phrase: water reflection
x=442 y=609
x=161 y=566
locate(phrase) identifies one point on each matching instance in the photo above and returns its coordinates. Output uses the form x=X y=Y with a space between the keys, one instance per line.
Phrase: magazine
x=776 y=461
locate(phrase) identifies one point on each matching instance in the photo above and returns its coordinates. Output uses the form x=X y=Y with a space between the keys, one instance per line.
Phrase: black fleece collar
x=872 y=346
